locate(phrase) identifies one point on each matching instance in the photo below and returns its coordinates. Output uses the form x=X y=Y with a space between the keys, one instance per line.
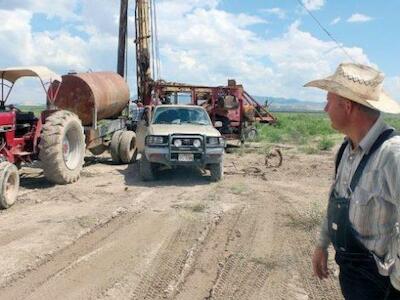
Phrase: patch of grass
x=325 y=144
x=307 y=129
x=393 y=120
x=239 y=189
x=309 y=150
x=198 y=207
x=296 y=128
x=36 y=109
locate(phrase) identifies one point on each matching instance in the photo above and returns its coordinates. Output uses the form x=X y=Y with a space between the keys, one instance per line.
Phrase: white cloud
x=298 y=57
x=15 y=37
x=64 y=9
x=101 y=16
x=392 y=86
x=335 y=21
x=199 y=44
x=209 y=46
x=280 y=13
x=313 y=4
x=359 y=18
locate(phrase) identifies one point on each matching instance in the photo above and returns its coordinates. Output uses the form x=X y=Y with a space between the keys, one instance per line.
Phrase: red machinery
x=230 y=104
x=76 y=103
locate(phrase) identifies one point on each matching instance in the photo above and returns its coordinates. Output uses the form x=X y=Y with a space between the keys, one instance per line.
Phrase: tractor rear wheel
x=127 y=147
x=9 y=184
x=62 y=147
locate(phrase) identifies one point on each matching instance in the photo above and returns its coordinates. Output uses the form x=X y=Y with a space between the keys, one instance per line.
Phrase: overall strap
x=340 y=154
x=387 y=134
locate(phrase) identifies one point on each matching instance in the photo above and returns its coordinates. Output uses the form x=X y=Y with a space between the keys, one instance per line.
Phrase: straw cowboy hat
x=359 y=83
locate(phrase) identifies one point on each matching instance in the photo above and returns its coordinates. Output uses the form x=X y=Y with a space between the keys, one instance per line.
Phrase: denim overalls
x=359 y=277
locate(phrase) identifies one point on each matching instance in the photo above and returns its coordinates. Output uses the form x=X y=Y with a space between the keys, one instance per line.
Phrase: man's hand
x=319 y=262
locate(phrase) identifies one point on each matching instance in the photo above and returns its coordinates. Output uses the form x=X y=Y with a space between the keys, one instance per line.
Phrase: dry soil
x=112 y=236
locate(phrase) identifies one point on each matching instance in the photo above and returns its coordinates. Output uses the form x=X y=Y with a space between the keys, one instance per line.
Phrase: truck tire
x=217 y=171
x=146 y=169
x=62 y=147
x=127 y=147
x=9 y=184
x=114 y=146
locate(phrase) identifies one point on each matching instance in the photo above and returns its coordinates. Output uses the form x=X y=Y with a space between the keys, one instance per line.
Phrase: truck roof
x=180 y=106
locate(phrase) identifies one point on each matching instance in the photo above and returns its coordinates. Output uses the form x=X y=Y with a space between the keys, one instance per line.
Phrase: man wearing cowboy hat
x=363 y=212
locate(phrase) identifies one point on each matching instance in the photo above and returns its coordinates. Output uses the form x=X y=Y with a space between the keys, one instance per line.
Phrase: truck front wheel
x=146 y=169
x=217 y=171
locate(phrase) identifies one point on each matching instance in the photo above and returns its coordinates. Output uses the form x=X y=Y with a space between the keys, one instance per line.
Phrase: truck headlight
x=177 y=142
x=154 y=140
x=215 y=141
x=197 y=143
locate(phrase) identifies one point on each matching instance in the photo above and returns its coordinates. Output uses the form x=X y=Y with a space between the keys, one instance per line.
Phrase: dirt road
x=111 y=236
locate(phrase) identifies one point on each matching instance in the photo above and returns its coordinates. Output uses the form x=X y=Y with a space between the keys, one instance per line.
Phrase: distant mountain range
x=285 y=104
x=274 y=103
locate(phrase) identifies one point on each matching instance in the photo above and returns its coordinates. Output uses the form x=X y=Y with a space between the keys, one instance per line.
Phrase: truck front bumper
x=163 y=155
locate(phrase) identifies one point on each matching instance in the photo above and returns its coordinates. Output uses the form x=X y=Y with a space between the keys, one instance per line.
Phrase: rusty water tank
x=81 y=93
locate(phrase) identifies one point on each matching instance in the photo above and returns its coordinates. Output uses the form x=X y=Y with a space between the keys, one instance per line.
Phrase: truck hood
x=166 y=129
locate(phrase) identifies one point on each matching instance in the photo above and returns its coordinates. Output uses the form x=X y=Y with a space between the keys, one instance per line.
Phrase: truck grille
x=187 y=146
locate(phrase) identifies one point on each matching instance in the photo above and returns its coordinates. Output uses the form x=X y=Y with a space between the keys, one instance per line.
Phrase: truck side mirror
x=218 y=124
x=146 y=116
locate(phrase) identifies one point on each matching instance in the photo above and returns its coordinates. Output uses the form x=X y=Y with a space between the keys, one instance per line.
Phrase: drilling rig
x=231 y=104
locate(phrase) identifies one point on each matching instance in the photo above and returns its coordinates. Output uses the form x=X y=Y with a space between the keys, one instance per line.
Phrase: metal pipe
x=123 y=25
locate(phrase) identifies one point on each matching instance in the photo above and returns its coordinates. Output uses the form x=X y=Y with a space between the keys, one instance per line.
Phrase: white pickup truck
x=179 y=135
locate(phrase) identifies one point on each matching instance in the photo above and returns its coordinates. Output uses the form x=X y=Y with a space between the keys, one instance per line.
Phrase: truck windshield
x=181 y=115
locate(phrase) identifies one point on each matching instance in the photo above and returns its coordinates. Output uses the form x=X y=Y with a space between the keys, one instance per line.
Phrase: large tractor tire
x=9 y=184
x=127 y=147
x=146 y=169
x=217 y=171
x=62 y=147
x=114 y=146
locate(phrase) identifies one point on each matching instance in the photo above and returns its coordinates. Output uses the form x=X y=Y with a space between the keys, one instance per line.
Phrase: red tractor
x=83 y=111
x=56 y=137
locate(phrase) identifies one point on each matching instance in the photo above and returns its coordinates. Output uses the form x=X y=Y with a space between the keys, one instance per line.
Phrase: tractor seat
x=24 y=121
x=25 y=117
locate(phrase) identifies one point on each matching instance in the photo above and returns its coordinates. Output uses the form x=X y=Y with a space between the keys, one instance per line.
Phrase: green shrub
x=393 y=120
x=325 y=144
x=296 y=128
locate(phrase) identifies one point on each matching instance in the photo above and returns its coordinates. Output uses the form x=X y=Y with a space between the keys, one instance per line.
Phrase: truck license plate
x=185 y=157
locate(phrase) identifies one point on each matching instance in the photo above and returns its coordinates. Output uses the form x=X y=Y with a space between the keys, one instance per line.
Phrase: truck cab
x=179 y=135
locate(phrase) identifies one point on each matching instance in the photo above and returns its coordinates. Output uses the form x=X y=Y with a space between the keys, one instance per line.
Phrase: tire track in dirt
x=174 y=260
x=239 y=276
x=301 y=284
x=107 y=251
x=233 y=263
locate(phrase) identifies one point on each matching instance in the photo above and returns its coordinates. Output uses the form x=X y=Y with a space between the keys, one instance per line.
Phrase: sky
x=272 y=47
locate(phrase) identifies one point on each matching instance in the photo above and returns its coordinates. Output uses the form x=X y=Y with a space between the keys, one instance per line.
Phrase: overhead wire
x=154 y=41
x=158 y=67
x=326 y=31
